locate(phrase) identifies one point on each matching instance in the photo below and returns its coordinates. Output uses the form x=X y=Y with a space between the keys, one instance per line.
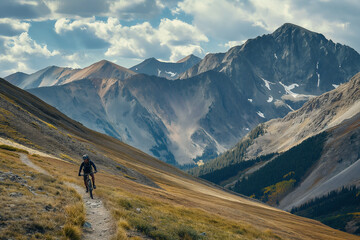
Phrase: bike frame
x=89 y=183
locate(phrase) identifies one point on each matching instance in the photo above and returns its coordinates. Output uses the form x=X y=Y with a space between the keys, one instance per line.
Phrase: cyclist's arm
x=93 y=164
x=81 y=166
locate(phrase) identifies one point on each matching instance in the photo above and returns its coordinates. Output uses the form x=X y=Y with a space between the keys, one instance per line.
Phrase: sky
x=35 y=34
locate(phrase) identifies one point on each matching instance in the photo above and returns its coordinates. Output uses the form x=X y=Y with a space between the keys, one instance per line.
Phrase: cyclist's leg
x=85 y=182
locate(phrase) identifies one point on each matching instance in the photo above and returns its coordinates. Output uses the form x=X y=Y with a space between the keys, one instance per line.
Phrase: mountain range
x=148 y=198
x=213 y=103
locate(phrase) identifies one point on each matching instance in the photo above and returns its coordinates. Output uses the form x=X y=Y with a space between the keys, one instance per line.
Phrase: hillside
x=129 y=180
x=305 y=155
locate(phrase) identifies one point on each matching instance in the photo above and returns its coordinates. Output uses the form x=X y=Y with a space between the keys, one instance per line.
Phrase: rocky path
x=98 y=219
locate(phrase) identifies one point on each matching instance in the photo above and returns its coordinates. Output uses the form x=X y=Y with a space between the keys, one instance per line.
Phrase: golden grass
x=184 y=207
x=32 y=205
x=13 y=149
x=161 y=220
x=66 y=157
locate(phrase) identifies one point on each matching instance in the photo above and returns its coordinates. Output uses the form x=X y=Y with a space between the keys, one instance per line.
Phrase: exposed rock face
x=175 y=121
x=284 y=68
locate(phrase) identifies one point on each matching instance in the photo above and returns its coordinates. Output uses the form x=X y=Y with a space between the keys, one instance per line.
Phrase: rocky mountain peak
x=190 y=57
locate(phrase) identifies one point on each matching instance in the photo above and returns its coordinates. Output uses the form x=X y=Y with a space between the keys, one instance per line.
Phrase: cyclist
x=87 y=164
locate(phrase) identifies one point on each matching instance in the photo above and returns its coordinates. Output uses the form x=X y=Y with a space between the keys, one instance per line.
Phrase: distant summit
x=190 y=58
x=169 y=70
x=278 y=72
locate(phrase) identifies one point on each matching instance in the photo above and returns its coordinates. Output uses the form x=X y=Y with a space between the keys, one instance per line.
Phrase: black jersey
x=87 y=167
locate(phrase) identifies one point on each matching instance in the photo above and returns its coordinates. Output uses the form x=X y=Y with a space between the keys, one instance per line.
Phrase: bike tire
x=90 y=189
x=91 y=195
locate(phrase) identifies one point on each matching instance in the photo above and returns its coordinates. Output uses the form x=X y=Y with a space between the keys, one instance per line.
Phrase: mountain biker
x=87 y=164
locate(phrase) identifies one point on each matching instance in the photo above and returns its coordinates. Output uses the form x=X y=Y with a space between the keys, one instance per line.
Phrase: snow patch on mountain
x=260 y=114
x=250 y=100
x=290 y=107
x=317 y=73
x=335 y=85
x=289 y=88
x=270 y=99
x=267 y=83
x=172 y=74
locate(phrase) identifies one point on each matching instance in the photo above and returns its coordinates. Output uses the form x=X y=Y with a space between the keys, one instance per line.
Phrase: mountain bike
x=88 y=183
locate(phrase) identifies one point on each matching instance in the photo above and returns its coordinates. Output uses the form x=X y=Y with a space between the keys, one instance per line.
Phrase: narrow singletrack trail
x=96 y=213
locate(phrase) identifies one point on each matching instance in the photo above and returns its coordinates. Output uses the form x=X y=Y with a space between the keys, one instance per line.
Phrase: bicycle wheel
x=90 y=188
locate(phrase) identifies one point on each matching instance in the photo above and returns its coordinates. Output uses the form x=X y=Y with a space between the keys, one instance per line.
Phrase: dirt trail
x=98 y=218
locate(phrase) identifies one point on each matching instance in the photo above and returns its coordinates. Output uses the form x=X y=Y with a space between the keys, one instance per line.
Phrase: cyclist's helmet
x=85 y=156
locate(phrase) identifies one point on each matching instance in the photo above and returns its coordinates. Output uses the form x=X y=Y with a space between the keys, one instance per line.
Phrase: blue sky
x=76 y=33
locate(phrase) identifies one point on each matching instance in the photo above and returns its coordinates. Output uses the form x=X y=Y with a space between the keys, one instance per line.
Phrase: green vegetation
x=230 y=157
x=336 y=209
x=219 y=175
x=279 y=176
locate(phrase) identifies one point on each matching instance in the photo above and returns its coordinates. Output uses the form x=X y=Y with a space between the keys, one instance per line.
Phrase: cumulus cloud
x=224 y=20
x=24 y=45
x=18 y=50
x=11 y=27
x=140 y=40
x=231 y=44
x=235 y=20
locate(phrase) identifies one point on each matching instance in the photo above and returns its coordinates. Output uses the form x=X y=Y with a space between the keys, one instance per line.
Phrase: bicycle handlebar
x=82 y=174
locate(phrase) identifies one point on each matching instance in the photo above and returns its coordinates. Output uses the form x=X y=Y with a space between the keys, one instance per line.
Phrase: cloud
x=136 y=9
x=12 y=27
x=231 y=44
x=23 y=9
x=18 y=51
x=80 y=34
x=79 y=8
x=140 y=40
x=223 y=20
x=121 y=9
x=229 y=20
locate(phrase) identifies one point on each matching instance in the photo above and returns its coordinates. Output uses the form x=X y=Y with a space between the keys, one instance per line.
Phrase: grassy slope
x=197 y=205
x=34 y=205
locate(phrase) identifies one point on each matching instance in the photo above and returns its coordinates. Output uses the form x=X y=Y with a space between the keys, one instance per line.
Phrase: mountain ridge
x=120 y=180
x=169 y=70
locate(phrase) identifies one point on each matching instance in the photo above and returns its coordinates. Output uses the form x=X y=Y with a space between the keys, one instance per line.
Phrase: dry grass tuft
x=72 y=232
x=75 y=214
